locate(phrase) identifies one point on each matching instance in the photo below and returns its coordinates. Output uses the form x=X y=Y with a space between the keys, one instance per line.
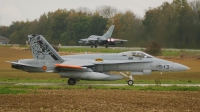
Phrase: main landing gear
x=71 y=81
x=131 y=79
x=94 y=46
x=106 y=45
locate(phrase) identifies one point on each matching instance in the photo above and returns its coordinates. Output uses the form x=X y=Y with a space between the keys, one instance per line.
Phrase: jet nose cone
x=180 y=67
x=187 y=68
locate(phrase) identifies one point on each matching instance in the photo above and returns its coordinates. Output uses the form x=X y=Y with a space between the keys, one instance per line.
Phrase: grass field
x=165 y=52
x=96 y=98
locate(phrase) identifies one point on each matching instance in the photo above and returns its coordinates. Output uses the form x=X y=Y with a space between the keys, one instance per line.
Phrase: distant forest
x=173 y=25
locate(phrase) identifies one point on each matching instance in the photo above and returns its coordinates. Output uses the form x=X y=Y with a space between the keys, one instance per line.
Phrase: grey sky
x=22 y=10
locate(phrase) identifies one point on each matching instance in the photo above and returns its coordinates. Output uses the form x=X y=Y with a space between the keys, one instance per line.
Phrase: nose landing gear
x=131 y=79
x=130 y=82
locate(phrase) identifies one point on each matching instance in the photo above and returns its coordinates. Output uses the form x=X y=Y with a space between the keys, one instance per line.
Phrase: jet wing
x=87 y=40
x=119 y=61
x=74 y=65
x=92 y=62
x=69 y=66
x=78 y=62
x=85 y=65
x=92 y=39
x=84 y=39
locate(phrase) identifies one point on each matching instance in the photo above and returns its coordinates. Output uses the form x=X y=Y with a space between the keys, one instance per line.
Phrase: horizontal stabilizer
x=17 y=63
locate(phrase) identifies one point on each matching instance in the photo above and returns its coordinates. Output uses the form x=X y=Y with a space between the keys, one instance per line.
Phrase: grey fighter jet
x=91 y=66
x=106 y=39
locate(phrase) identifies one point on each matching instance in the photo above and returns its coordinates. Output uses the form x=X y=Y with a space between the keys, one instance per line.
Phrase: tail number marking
x=163 y=66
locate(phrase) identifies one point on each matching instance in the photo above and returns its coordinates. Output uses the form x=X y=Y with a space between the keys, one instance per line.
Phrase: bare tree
x=195 y=5
x=107 y=11
x=84 y=10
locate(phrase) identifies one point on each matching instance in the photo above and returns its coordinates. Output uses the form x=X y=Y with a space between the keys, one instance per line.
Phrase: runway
x=65 y=84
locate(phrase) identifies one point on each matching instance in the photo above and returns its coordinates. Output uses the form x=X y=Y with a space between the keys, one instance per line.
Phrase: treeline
x=174 y=25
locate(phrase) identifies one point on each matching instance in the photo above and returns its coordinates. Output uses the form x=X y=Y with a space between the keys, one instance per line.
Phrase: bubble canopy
x=137 y=54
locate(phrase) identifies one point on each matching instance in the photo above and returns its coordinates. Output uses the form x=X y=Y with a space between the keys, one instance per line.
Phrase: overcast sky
x=22 y=10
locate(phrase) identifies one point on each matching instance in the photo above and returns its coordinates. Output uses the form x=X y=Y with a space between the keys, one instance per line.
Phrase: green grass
x=10 y=75
x=142 y=82
x=93 y=50
x=110 y=50
x=34 y=89
x=170 y=53
x=123 y=81
x=5 y=90
x=33 y=80
x=180 y=53
x=165 y=52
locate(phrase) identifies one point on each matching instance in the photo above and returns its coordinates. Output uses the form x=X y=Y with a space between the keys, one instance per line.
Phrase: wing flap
x=78 y=62
x=69 y=66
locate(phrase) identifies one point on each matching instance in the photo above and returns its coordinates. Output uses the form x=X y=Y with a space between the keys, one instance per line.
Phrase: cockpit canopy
x=92 y=36
x=137 y=54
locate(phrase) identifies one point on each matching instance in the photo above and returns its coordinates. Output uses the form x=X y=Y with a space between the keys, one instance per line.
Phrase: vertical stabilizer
x=41 y=49
x=109 y=32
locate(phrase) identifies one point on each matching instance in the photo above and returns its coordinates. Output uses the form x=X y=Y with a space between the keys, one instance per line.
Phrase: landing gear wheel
x=91 y=46
x=130 y=82
x=95 y=46
x=106 y=46
x=71 y=81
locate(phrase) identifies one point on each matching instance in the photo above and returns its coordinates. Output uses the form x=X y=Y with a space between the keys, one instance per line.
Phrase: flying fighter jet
x=106 y=39
x=91 y=66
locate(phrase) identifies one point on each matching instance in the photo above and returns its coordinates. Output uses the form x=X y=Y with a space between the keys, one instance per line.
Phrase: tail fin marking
x=41 y=49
